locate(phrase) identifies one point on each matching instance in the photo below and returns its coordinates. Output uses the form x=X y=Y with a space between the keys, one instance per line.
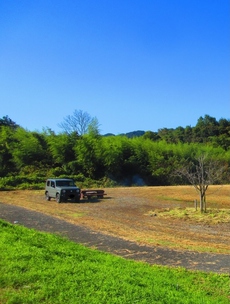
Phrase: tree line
x=207 y=131
x=150 y=159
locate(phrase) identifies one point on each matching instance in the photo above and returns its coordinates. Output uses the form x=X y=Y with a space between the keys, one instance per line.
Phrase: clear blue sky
x=135 y=65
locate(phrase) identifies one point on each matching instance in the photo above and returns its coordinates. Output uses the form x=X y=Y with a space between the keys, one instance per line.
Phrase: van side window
x=52 y=184
x=48 y=183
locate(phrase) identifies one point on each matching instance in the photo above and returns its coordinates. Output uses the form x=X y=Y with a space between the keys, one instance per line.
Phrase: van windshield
x=65 y=183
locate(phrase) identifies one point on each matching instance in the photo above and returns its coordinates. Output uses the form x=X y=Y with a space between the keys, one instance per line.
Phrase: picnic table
x=90 y=193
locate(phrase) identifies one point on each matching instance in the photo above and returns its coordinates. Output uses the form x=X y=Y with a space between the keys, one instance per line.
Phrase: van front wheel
x=58 y=198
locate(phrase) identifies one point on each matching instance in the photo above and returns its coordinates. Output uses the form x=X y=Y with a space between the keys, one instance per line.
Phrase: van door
x=52 y=190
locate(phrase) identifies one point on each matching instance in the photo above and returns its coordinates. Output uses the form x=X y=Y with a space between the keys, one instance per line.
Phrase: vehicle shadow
x=93 y=200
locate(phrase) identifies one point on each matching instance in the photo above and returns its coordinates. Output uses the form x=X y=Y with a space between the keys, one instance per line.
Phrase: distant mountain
x=134 y=134
x=129 y=134
x=108 y=134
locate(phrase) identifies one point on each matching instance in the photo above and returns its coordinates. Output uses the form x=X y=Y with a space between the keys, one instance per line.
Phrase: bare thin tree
x=201 y=173
x=78 y=123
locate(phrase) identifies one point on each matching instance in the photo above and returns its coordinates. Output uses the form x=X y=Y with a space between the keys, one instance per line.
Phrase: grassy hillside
x=43 y=268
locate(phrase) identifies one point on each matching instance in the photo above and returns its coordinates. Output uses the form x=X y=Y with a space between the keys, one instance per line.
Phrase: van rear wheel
x=47 y=196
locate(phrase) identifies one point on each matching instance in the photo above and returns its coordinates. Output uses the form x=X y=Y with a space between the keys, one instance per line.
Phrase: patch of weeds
x=211 y=216
x=70 y=214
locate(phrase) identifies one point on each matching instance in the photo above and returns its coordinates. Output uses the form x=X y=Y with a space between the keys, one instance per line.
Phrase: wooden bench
x=91 y=193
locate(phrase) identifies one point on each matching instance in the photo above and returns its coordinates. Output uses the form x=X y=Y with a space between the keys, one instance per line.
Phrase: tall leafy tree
x=206 y=127
x=112 y=155
x=28 y=148
x=61 y=148
x=93 y=128
x=154 y=136
x=6 y=158
x=88 y=155
x=8 y=122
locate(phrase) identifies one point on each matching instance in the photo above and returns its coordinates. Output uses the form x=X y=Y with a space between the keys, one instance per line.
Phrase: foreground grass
x=43 y=268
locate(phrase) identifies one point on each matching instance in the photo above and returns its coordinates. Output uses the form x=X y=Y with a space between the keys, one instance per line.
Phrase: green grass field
x=37 y=267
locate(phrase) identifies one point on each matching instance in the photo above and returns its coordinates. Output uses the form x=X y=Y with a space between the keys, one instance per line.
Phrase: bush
x=22 y=182
x=35 y=182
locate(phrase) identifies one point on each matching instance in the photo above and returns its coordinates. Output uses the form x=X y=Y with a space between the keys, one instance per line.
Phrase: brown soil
x=134 y=215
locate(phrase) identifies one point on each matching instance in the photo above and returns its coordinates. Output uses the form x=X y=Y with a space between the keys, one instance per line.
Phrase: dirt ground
x=154 y=255
x=135 y=214
x=129 y=222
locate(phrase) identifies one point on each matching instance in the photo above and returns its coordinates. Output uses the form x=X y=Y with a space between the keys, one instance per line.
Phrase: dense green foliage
x=43 y=268
x=149 y=159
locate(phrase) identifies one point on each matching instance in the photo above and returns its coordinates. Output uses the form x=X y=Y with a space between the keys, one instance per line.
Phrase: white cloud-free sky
x=134 y=65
